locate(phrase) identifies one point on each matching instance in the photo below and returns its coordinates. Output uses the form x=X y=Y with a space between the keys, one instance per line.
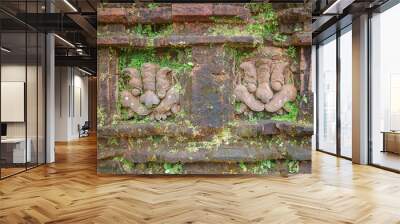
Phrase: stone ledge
x=130 y=16
x=300 y=39
x=224 y=153
x=242 y=129
x=145 y=130
x=268 y=128
x=176 y=13
x=189 y=40
x=106 y=167
x=293 y=15
x=129 y=40
x=202 y=12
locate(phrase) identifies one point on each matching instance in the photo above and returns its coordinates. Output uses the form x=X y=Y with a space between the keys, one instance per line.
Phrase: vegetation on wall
x=151 y=31
x=173 y=168
x=151 y=145
x=265 y=24
x=291 y=115
x=180 y=60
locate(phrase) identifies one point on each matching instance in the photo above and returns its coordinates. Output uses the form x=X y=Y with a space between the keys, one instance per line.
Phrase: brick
x=112 y=15
x=191 y=12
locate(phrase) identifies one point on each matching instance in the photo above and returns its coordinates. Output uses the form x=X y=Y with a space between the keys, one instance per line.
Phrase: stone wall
x=204 y=89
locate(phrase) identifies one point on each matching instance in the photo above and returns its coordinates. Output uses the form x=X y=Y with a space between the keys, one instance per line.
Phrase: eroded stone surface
x=210 y=82
x=207 y=130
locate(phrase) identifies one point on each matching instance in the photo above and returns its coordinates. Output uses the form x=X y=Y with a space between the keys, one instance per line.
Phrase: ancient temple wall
x=204 y=89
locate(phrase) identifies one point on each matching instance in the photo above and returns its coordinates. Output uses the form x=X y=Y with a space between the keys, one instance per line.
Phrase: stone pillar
x=360 y=90
x=210 y=86
x=107 y=86
x=50 y=98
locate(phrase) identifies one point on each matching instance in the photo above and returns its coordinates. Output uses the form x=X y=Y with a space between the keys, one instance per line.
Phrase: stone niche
x=204 y=89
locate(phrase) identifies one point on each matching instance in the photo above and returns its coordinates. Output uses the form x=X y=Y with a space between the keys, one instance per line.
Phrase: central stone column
x=209 y=88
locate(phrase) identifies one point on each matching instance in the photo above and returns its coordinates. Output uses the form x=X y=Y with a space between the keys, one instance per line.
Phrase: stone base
x=206 y=168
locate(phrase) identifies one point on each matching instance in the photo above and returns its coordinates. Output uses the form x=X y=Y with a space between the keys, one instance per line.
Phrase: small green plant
x=266 y=19
x=291 y=116
x=293 y=166
x=127 y=165
x=280 y=37
x=177 y=59
x=257 y=116
x=292 y=52
x=303 y=99
x=153 y=5
x=151 y=31
x=112 y=141
x=101 y=116
x=243 y=166
x=236 y=105
x=173 y=168
x=264 y=166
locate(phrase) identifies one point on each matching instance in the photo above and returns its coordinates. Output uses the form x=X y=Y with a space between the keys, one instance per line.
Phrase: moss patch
x=291 y=115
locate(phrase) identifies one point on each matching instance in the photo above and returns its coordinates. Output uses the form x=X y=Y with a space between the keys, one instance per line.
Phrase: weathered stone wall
x=204 y=89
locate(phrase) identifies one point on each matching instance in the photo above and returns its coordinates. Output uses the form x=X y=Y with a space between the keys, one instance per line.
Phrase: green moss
x=112 y=141
x=255 y=117
x=280 y=37
x=127 y=165
x=263 y=167
x=291 y=116
x=243 y=166
x=234 y=20
x=293 y=166
x=173 y=168
x=266 y=19
x=275 y=140
x=265 y=24
x=230 y=30
x=292 y=53
x=180 y=60
x=238 y=54
x=101 y=116
x=153 y=5
x=151 y=31
x=259 y=168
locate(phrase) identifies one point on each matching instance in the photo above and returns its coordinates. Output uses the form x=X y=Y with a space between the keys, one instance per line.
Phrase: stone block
x=208 y=90
x=191 y=12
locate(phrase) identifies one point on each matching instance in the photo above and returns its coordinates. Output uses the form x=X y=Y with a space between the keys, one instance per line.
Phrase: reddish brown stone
x=206 y=100
x=295 y=129
x=110 y=28
x=125 y=40
x=122 y=40
x=210 y=84
x=243 y=41
x=227 y=10
x=107 y=83
x=191 y=12
x=294 y=15
x=172 y=151
x=112 y=15
x=302 y=39
x=296 y=39
x=129 y=16
x=207 y=12
x=158 y=15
